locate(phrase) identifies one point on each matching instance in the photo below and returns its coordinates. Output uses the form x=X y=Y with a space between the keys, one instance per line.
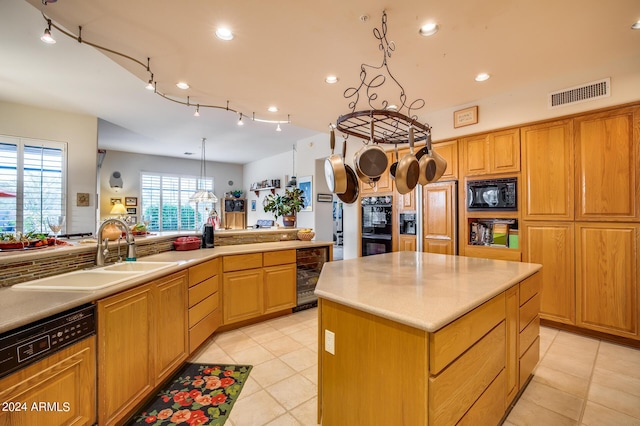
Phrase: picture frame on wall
x=465 y=117
x=130 y=201
x=131 y=210
x=305 y=184
x=324 y=198
x=115 y=201
x=253 y=205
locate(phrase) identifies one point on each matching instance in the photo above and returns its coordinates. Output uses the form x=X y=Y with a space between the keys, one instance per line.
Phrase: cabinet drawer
x=199 y=292
x=457 y=387
x=490 y=407
x=204 y=329
x=281 y=257
x=529 y=311
x=528 y=361
x=448 y=343
x=240 y=262
x=529 y=335
x=529 y=287
x=203 y=309
x=204 y=270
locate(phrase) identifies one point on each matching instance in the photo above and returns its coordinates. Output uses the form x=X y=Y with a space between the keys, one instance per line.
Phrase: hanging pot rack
x=389 y=126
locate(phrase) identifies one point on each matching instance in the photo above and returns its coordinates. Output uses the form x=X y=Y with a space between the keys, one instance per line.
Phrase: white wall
x=80 y=132
x=130 y=165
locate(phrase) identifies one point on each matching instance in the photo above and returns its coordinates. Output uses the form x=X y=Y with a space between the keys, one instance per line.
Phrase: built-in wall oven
x=377 y=225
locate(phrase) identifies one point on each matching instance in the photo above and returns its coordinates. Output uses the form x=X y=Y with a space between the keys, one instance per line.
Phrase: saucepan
x=335 y=171
x=432 y=164
x=371 y=160
x=408 y=169
x=353 y=188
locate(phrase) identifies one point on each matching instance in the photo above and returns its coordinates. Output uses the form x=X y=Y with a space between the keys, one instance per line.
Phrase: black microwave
x=494 y=194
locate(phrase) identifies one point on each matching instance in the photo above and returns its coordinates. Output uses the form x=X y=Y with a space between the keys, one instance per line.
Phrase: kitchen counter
x=423 y=290
x=23 y=306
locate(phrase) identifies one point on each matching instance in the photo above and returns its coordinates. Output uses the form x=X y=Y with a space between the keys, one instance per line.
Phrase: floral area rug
x=199 y=394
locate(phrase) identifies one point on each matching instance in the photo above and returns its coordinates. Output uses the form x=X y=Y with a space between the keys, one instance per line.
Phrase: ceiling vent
x=584 y=92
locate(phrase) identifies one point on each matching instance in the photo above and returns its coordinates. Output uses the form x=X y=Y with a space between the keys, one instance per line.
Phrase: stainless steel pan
x=408 y=169
x=334 y=170
x=353 y=188
x=371 y=160
x=432 y=164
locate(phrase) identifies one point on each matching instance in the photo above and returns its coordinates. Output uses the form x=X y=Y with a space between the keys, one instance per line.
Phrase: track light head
x=46 y=37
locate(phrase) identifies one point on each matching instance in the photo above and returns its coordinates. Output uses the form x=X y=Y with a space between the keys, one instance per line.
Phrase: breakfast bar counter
x=421 y=338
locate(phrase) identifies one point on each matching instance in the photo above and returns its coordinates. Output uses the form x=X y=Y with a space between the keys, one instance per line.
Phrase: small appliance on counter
x=207 y=235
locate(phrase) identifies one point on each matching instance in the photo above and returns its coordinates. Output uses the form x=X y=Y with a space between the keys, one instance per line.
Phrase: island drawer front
x=529 y=311
x=459 y=386
x=204 y=270
x=529 y=334
x=203 y=290
x=530 y=287
x=490 y=407
x=202 y=309
x=240 y=262
x=202 y=330
x=528 y=361
x=449 y=342
x=281 y=257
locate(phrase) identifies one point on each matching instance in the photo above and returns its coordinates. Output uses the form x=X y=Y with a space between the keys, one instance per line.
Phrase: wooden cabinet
x=512 y=310
x=234 y=213
x=250 y=290
x=384 y=185
x=407 y=243
x=133 y=355
x=449 y=151
x=607 y=277
x=491 y=153
x=439 y=217
x=607 y=165
x=67 y=379
x=551 y=244
x=547 y=171
x=205 y=313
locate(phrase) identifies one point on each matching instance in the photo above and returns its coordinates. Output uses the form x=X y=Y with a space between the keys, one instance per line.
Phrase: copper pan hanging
x=335 y=172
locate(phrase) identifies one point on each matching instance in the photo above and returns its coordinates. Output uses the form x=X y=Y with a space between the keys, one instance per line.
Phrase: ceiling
x=281 y=54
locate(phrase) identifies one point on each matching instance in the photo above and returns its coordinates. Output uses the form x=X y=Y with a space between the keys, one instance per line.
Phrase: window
x=32 y=183
x=170 y=194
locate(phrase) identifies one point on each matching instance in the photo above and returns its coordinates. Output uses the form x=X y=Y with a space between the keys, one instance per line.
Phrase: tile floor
x=579 y=380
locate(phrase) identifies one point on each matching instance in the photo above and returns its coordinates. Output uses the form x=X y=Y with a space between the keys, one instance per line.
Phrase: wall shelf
x=270 y=188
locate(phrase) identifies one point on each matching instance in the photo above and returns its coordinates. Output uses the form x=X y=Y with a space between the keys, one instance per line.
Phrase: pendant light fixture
x=203 y=195
x=293 y=181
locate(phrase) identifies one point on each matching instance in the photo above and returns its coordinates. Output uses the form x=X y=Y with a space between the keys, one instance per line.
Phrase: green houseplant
x=286 y=205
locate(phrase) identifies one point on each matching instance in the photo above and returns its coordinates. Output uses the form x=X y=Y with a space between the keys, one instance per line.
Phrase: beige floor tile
x=239 y=342
x=585 y=355
x=301 y=359
x=561 y=361
x=621 y=381
x=250 y=387
x=311 y=373
x=257 y=409
x=254 y=355
x=265 y=334
x=577 y=342
x=284 y=420
x=307 y=413
x=305 y=337
x=615 y=399
x=526 y=413
x=619 y=358
x=293 y=391
x=211 y=354
x=577 y=386
x=282 y=345
x=553 y=399
x=272 y=371
x=547 y=336
x=597 y=415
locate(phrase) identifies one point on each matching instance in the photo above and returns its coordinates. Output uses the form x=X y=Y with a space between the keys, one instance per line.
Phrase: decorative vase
x=289 y=221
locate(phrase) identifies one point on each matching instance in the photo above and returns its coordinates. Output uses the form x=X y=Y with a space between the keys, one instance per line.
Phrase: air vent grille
x=585 y=92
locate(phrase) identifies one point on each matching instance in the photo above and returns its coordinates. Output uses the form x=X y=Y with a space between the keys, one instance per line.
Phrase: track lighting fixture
x=197 y=113
x=46 y=37
x=278 y=129
x=240 y=123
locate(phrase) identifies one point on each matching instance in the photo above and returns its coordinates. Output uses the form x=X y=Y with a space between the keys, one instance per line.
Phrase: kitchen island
x=420 y=338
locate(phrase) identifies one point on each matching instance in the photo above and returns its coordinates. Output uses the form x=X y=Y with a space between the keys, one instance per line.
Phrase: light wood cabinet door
x=547 y=171
x=170 y=319
x=66 y=378
x=407 y=243
x=551 y=244
x=125 y=361
x=607 y=277
x=449 y=151
x=607 y=171
x=475 y=155
x=242 y=293
x=492 y=153
x=384 y=185
x=512 y=306
x=279 y=287
x=439 y=217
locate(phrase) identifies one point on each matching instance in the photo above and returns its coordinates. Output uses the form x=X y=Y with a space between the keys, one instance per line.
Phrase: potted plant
x=286 y=205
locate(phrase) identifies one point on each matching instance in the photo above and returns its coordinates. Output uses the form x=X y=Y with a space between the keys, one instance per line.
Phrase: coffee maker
x=207 y=235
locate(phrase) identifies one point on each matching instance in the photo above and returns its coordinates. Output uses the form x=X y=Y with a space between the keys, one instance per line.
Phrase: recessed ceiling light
x=224 y=34
x=331 y=79
x=429 y=29
x=636 y=26
x=182 y=85
x=273 y=108
x=483 y=76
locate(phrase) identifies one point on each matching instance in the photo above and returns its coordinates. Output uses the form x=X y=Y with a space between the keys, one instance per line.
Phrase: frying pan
x=394 y=166
x=432 y=164
x=351 y=194
x=408 y=169
x=334 y=170
x=371 y=161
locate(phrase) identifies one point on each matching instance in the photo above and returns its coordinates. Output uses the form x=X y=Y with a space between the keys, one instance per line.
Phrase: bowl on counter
x=306 y=236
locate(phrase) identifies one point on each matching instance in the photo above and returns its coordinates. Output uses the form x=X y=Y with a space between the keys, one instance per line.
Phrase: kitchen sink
x=138 y=266
x=79 y=280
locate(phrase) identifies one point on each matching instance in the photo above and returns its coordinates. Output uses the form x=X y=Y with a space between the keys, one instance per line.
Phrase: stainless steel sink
x=138 y=266
x=79 y=280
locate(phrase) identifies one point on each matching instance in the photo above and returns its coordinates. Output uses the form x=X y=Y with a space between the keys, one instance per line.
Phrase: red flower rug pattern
x=200 y=394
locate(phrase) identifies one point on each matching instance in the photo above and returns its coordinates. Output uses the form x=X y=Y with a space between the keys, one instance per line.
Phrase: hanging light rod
x=152 y=84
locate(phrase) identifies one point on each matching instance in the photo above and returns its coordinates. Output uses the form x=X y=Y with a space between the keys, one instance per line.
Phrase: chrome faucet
x=103 y=246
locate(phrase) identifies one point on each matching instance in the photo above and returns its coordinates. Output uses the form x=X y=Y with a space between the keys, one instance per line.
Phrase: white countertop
x=23 y=306
x=422 y=290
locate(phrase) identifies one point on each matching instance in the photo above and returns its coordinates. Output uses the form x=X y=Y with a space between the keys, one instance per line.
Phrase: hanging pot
x=408 y=169
x=334 y=170
x=371 y=161
x=394 y=166
x=427 y=166
x=353 y=188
